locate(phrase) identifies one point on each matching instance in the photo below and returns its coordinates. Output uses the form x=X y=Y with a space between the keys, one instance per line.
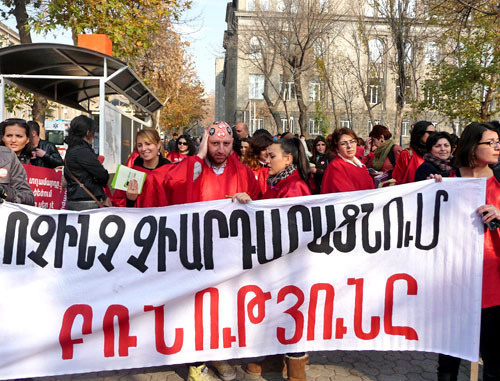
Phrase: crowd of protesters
x=229 y=163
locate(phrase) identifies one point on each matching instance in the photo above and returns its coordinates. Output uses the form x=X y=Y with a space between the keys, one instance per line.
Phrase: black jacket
x=82 y=161
x=51 y=159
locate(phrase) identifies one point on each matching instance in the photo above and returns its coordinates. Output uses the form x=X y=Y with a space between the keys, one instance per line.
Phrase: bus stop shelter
x=72 y=76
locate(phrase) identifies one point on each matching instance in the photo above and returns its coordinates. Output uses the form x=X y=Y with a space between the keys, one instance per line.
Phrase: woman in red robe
x=288 y=176
x=477 y=150
x=346 y=172
x=256 y=158
x=184 y=147
x=149 y=158
x=412 y=158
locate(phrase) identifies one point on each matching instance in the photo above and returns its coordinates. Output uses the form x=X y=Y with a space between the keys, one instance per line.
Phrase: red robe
x=491 y=262
x=131 y=159
x=262 y=175
x=176 y=157
x=406 y=166
x=178 y=185
x=341 y=176
x=292 y=186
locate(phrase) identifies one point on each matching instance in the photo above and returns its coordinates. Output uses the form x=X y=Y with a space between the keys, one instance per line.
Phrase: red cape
x=341 y=176
x=292 y=186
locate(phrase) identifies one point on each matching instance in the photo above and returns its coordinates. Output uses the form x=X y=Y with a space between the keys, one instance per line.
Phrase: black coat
x=82 y=161
x=51 y=159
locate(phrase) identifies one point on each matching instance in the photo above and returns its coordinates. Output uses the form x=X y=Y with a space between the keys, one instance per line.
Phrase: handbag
x=100 y=204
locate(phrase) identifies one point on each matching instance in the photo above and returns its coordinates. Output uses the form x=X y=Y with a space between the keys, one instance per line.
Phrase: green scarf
x=381 y=154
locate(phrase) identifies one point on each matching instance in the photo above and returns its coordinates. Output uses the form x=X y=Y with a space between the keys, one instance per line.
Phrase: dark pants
x=489 y=348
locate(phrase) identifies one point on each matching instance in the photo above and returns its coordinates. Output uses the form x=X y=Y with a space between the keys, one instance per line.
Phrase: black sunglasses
x=182 y=143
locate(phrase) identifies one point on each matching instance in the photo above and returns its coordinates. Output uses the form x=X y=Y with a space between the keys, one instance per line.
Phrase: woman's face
x=346 y=146
x=277 y=159
x=15 y=138
x=442 y=149
x=147 y=150
x=182 y=145
x=263 y=155
x=244 y=148
x=321 y=147
x=428 y=131
x=484 y=153
x=377 y=142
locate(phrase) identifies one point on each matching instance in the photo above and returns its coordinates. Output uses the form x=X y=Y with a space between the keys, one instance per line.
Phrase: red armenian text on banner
x=114 y=288
x=47 y=187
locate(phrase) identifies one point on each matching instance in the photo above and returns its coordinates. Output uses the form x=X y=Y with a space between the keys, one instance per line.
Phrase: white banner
x=391 y=269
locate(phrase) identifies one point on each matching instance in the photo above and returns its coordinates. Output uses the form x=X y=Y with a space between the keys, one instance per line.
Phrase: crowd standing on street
x=226 y=162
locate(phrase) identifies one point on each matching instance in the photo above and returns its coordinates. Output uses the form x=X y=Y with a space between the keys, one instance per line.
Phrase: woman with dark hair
x=411 y=158
x=245 y=144
x=149 y=147
x=381 y=151
x=85 y=175
x=256 y=158
x=16 y=134
x=184 y=147
x=477 y=150
x=321 y=157
x=346 y=172
x=14 y=185
x=288 y=175
x=437 y=160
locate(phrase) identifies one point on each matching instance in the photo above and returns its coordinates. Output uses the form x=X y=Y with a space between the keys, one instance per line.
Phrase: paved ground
x=323 y=366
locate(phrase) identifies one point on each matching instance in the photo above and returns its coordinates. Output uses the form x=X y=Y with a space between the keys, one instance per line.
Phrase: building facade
x=350 y=81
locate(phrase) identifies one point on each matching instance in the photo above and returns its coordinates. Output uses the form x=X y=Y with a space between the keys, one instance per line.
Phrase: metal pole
x=102 y=106
x=2 y=97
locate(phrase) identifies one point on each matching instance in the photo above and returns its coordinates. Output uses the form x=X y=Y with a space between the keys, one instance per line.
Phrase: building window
x=370 y=8
x=429 y=92
x=255 y=86
x=284 y=125
x=370 y=125
x=376 y=51
x=256 y=47
x=408 y=92
x=319 y=48
x=314 y=126
x=264 y=5
x=287 y=89
x=345 y=123
x=324 y=6
x=250 y=5
x=432 y=53
x=375 y=91
x=315 y=91
x=288 y=6
x=291 y=123
x=405 y=128
x=256 y=124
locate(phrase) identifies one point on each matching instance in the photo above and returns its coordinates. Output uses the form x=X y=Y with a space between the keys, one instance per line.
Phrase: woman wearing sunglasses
x=184 y=147
x=345 y=172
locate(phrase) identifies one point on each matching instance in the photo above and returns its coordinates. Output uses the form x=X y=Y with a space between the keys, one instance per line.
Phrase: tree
x=465 y=82
x=18 y=8
x=407 y=25
x=128 y=23
x=292 y=34
x=168 y=69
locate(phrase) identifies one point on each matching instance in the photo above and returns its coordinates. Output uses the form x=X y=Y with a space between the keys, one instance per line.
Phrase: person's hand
x=438 y=178
x=203 y=149
x=107 y=203
x=39 y=152
x=490 y=213
x=313 y=170
x=368 y=145
x=4 y=192
x=242 y=197
x=133 y=190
